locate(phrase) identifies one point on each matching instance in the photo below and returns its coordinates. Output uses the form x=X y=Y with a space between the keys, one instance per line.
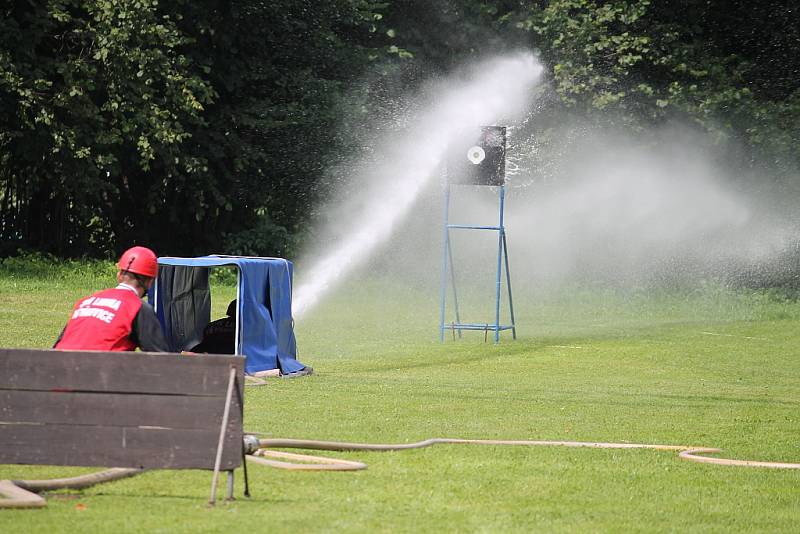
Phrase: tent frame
x=259 y=346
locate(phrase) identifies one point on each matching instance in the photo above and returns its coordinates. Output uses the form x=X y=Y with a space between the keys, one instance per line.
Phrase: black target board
x=478 y=160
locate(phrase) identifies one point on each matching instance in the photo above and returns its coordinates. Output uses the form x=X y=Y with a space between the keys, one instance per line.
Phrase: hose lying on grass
x=23 y=493
x=685 y=452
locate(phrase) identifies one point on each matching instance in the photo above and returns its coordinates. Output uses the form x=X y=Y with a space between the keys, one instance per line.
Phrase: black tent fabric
x=187 y=308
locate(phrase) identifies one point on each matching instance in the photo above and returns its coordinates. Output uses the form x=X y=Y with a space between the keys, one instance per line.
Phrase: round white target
x=476 y=155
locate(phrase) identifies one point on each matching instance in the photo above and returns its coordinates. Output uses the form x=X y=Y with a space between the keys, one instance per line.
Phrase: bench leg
x=230 y=485
x=224 y=426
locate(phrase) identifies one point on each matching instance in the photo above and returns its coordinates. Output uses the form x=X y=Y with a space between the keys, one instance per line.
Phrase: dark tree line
x=207 y=125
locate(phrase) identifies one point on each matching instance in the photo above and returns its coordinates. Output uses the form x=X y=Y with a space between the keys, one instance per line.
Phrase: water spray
x=496 y=89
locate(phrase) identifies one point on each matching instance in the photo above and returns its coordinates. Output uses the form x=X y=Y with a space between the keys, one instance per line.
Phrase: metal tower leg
x=443 y=294
x=453 y=279
x=499 y=267
x=508 y=283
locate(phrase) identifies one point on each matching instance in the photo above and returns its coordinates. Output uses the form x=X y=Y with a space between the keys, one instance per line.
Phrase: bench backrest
x=118 y=409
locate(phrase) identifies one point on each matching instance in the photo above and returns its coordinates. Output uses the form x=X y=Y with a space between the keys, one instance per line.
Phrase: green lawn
x=707 y=367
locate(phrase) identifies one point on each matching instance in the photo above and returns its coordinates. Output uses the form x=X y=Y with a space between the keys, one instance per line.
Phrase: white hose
x=684 y=452
x=22 y=493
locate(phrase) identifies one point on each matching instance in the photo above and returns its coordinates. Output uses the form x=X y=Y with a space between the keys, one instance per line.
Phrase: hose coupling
x=251 y=444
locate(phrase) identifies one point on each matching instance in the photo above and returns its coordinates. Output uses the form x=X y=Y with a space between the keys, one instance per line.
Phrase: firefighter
x=117 y=319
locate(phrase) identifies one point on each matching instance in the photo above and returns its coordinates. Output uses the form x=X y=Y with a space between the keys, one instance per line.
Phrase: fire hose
x=24 y=493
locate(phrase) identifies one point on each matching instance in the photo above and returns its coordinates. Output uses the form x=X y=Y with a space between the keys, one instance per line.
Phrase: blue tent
x=264 y=325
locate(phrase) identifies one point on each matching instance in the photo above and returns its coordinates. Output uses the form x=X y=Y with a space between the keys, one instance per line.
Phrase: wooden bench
x=122 y=409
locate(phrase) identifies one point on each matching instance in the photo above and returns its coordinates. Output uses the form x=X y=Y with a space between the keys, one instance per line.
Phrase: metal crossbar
x=471 y=227
x=476 y=326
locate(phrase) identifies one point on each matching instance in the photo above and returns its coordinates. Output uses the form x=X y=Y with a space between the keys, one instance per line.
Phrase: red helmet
x=139 y=260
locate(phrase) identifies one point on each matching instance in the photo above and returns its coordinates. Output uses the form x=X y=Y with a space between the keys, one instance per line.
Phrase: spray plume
x=495 y=89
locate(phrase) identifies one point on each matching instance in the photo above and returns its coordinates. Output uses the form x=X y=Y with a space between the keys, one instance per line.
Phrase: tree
x=278 y=69
x=210 y=125
x=727 y=66
x=96 y=98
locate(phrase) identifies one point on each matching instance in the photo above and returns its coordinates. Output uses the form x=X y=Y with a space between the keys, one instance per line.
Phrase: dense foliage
x=729 y=66
x=207 y=126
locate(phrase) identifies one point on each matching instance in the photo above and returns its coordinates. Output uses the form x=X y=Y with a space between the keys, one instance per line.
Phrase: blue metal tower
x=484 y=166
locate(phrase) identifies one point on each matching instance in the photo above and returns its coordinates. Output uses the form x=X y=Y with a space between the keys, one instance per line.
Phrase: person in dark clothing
x=219 y=337
x=117 y=319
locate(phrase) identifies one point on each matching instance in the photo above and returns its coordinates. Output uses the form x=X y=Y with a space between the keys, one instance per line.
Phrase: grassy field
x=707 y=367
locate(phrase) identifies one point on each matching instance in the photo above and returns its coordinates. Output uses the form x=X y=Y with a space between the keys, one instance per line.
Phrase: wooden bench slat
x=116 y=409
x=96 y=446
x=140 y=372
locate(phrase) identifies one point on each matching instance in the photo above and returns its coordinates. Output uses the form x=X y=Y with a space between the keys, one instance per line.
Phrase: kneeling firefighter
x=117 y=319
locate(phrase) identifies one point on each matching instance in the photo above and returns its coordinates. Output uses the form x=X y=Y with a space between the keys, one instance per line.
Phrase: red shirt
x=102 y=321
